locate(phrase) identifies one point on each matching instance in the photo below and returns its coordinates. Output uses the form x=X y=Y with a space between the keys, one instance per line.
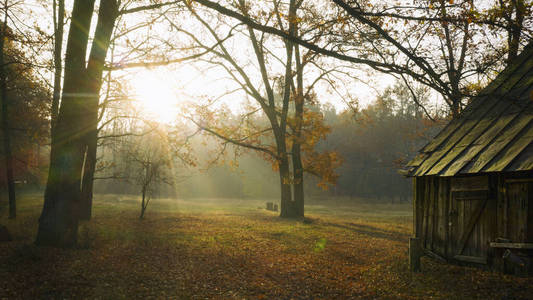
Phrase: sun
x=155 y=95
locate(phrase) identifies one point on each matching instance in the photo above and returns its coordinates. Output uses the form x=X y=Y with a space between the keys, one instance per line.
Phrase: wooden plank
x=497 y=145
x=490 y=217
x=524 y=161
x=512 y=245
x=530 y=212
x=434 y=255
x=471 y=259
x=431 y=213
x=471 y=223
x=415 y=205
x=482 y=126
x=420 y=186
x=500 y=206
x=415 y=250
x=441 y=216
x=433 y=158
x=518 y=180
x=444 y=194
x=470 y=195
x=512 y=79
x=480 y=144
x=506 y=74
x=445 y=133
x=492 y=141
x=453 y=224
x=478 y=107
x=447 y=160
x=464 y=128
x=523 y=212
x=498 y=130
x=505 y=212
x=473 y=183
x=417 y=160
x=426 y=212
x=511 y=150
x=435 y=198
x=517 y=212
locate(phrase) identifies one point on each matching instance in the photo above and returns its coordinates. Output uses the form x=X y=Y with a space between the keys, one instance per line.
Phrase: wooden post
x=415 y=252
x=415 y=208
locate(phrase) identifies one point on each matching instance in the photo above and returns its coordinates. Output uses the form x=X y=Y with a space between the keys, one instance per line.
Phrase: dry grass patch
x=232 y=249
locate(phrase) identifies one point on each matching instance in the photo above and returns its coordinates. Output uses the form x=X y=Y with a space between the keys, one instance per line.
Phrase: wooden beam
x=518 y=180
x=512 y=245
x=415 y=204
x=471 y=259
x=434 y=255
x=476 y=183
x=414 y=254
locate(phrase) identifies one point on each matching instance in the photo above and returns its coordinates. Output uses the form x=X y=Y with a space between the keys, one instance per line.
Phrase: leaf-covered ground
x=231 y=249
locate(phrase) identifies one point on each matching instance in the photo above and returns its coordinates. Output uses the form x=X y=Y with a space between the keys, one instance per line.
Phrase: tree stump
x=270 y=206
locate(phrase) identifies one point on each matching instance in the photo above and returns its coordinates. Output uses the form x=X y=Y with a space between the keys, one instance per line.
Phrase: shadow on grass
x=372 y=231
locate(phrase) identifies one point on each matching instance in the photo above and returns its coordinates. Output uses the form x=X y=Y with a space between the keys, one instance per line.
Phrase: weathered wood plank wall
x=457 y=217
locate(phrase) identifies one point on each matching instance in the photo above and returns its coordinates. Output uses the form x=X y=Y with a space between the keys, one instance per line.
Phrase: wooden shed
x=473 y=183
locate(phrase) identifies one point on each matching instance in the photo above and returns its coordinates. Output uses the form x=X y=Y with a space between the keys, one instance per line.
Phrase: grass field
x=235 y=249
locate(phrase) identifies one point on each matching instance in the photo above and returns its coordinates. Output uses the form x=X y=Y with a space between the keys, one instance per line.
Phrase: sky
x=162 y=90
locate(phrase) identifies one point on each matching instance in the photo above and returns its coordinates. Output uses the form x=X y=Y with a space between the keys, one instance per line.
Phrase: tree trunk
x=59 y=13
x=88 y=178
x=298 y=182
x=515 y=29
x=8 y=155
x=287 y=209
x=102 y=38
x=455 y=106
x=143 y=206
x=58 y=224
x=76 y=123
x=297 y=165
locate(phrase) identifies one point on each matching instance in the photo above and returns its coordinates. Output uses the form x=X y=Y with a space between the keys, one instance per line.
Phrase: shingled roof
x=493 y=134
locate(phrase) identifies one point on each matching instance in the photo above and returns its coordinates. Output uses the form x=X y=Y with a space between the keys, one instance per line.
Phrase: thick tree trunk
x=8 y=155
x=298 y=180
x=455 y=106
x=88 y=178
x=104 y=29
x=58 y=224
x=290 y=209
x=297 y=166
x=76 y=124
x=287 y=205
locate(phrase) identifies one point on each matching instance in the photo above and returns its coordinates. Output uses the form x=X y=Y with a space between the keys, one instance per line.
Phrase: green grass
x=234 y=248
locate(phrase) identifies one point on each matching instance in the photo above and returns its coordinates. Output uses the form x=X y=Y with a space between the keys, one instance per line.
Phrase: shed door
x=470 y=219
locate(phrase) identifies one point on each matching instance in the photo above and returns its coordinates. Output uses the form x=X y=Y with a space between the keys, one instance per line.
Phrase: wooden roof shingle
x=494 y=133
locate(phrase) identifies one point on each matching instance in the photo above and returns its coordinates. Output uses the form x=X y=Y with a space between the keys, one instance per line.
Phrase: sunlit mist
x=155 y=95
